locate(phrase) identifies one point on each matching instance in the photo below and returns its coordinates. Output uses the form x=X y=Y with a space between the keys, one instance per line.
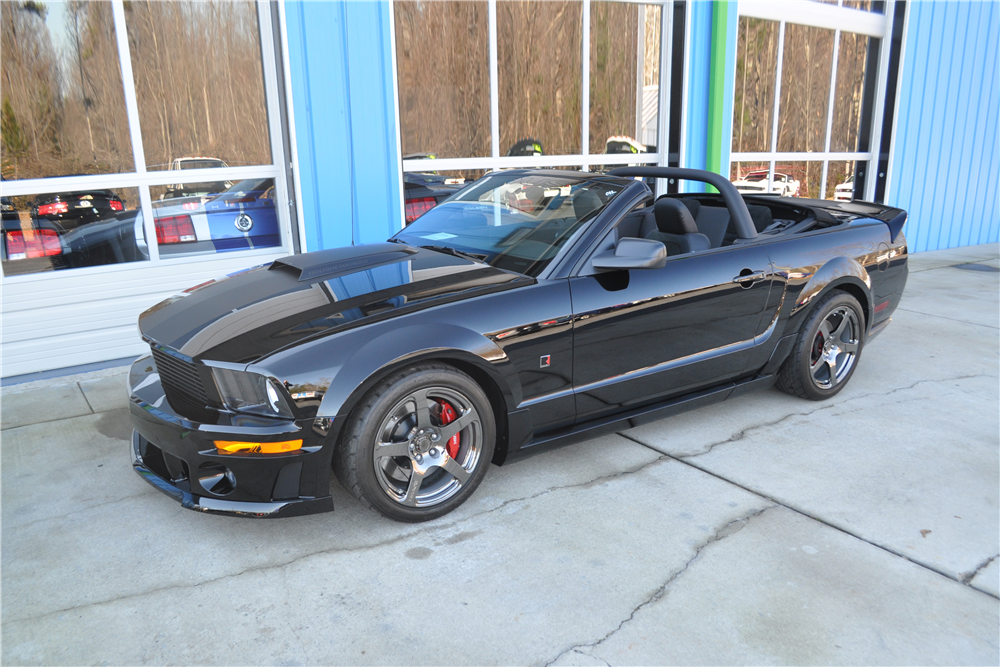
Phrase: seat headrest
x=673 y=217
x=585 y=202
x=694 y=206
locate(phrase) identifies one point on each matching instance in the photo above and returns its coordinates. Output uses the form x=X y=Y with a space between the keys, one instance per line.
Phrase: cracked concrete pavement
x=763 y=530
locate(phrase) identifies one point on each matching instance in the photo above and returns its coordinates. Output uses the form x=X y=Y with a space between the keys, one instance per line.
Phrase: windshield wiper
x=457 y=253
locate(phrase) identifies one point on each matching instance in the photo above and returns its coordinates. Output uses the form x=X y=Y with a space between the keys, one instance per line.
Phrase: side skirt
x=639 y=416
x=878 y=328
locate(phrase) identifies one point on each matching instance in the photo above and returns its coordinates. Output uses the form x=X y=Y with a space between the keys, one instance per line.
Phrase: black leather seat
x=676 y=229
x=761 y=217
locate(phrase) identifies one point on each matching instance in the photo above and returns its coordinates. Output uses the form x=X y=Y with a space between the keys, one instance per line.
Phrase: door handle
x=750 y=278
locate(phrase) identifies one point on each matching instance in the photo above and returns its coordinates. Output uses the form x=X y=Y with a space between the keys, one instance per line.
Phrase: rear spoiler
x=893 y=217
x=897 y=218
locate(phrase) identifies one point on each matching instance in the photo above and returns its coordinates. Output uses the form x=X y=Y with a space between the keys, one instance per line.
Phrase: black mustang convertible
x=531 y=309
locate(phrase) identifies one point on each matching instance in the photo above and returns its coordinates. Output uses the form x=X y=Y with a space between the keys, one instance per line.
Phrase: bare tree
x=442 y=60
x=31 y=103
x=199 y=81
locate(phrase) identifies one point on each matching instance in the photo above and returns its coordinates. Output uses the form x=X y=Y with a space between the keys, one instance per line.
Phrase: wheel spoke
x=817 y=364
x=393 y=449
x=839 y=331
x=416 y=479
x=851 y=348
x=832 y=363
x=456 y=426
x=419 y=398
x=456 y=470
x=826 y=329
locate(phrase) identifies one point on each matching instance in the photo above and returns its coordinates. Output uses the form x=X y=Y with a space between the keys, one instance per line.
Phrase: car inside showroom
x=558 y=299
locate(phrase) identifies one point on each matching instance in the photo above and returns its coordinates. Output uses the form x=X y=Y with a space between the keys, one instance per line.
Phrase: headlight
x=251 y=392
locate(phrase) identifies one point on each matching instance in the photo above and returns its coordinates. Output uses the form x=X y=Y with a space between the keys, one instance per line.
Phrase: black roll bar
x=730 y=195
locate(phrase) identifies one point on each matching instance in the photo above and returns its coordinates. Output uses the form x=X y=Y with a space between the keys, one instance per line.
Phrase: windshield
x=756 y=176
x=517 y=222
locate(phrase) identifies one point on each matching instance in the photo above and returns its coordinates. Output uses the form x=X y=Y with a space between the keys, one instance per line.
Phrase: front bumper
x=178 y=457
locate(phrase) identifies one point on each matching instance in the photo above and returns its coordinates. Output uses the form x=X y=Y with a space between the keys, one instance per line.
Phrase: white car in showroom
x=755 y=182
x=845 y=191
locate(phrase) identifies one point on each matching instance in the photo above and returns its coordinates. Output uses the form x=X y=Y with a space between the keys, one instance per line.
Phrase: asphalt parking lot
x=767 y=529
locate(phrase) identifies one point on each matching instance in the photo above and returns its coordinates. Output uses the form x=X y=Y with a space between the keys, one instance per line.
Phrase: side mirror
x=632 y=253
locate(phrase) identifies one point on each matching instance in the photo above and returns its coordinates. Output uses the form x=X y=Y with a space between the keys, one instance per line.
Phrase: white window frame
x=840 y=19
x=585 y=159
x=143 y=179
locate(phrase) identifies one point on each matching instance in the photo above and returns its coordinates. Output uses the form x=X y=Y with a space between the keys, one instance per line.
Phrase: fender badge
x=545 y=361
x=244 y=222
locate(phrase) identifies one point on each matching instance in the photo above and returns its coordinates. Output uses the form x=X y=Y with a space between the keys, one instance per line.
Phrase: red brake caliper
x=448 y=415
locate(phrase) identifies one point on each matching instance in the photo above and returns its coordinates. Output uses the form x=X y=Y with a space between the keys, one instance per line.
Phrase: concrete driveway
x=763 y=530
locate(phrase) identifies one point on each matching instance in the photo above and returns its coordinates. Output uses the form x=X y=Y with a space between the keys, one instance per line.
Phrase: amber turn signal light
x=232 y=447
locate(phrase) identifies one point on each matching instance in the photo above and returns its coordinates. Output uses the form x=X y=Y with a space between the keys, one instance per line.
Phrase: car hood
x=255 y=312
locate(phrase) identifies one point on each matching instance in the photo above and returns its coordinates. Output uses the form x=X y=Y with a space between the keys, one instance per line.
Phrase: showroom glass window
x=799 y=104
x=186 y=168
x=524 y=83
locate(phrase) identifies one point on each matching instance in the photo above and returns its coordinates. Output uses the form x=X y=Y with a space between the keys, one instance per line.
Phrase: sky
x=56 y=19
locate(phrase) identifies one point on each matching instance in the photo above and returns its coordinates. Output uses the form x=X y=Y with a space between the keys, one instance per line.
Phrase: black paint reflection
x=636 y=328
x=256 y=312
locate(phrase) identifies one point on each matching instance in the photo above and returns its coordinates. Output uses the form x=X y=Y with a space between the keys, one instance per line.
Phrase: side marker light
x=233 y=447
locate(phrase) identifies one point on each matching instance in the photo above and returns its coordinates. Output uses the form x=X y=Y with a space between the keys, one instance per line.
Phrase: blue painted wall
x=699 y=67
x=703 y=151
x=945 y=162
x=341 y=73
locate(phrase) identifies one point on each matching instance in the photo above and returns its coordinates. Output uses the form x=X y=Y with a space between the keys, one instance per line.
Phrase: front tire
x=418 y=444
x=827 y=350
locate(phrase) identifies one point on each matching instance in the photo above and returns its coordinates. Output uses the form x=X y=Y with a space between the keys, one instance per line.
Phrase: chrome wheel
x=835 y=348
x=428 y=447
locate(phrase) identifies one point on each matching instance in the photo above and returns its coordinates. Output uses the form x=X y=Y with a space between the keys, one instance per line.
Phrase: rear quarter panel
x=857 y=257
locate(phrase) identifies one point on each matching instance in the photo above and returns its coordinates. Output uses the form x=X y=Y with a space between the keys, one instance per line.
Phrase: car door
x=645 y=335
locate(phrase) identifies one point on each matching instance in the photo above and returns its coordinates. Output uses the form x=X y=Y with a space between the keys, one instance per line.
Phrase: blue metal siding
x=340 y=59
x=700 y=148
x=945 y=162
x=699 y=80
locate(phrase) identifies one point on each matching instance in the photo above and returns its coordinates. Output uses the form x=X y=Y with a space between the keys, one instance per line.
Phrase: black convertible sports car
x=533 y=308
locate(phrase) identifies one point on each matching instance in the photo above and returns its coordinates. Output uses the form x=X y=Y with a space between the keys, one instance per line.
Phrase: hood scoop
x=324 y=263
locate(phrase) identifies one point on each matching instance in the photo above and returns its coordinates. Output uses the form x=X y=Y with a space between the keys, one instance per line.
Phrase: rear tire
x=827 y=350
x=418 y=444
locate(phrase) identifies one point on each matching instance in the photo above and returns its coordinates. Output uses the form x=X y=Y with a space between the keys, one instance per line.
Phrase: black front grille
x=182 y=383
